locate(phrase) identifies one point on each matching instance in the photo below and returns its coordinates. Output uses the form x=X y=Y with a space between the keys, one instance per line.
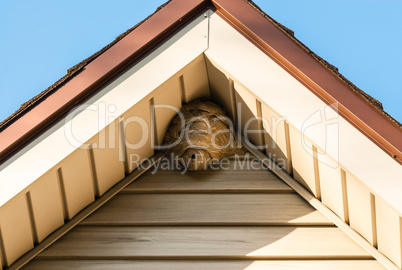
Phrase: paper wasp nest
x=201 y=133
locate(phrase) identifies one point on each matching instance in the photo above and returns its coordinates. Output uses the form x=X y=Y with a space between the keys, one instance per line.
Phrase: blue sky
x=40 y=40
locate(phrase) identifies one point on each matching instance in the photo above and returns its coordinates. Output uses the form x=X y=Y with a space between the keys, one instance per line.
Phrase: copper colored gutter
x=102 y=68
x=320 y=80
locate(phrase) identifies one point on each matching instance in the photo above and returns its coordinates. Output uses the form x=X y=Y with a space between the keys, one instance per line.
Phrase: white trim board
x=244 y=62
x=28 y=165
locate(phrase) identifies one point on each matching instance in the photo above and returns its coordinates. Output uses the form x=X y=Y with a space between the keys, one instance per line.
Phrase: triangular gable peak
x=335 y=141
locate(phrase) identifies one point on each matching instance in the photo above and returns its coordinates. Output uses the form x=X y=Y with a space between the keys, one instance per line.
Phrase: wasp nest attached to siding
x=200 y=134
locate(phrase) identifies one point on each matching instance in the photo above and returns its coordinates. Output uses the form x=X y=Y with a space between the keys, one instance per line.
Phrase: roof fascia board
x=321 y=81
x=83 y=121
x=174 y=15
x=278 y=89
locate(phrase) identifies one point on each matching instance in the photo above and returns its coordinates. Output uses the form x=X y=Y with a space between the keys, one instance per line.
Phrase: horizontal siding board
x=155 y=209
x=202 y=265
x=210 y=181
x=220 y=224
x=205 y=242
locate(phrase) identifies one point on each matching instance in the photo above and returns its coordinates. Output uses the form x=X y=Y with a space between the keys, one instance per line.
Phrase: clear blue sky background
x=40 y=40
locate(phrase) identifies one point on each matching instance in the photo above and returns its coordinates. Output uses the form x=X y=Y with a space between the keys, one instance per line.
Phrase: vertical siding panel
x=260 y=124
x=332 y=193
x=360 y=214
x=275 y=138
x=76 y=177
x=137 y=133
x=247 y=115
x=46 y=205
x=400 y=241
x=303 y=161
x=345 y=197
x=32 y=218
x=108 y=162
x=167 y=99
x=182 y=90
x=62 y=192
x=289 y=165
x=2 y=253
x=236 y=122
x=123 y=156
x=195 y=80
x=388 y=231
x=373 y=219
x=316 y=173
x=220 y=88
x=16 y=229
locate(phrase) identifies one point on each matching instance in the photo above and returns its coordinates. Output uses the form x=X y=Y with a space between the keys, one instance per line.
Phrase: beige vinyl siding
x=205 y=264
x=239 y=218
